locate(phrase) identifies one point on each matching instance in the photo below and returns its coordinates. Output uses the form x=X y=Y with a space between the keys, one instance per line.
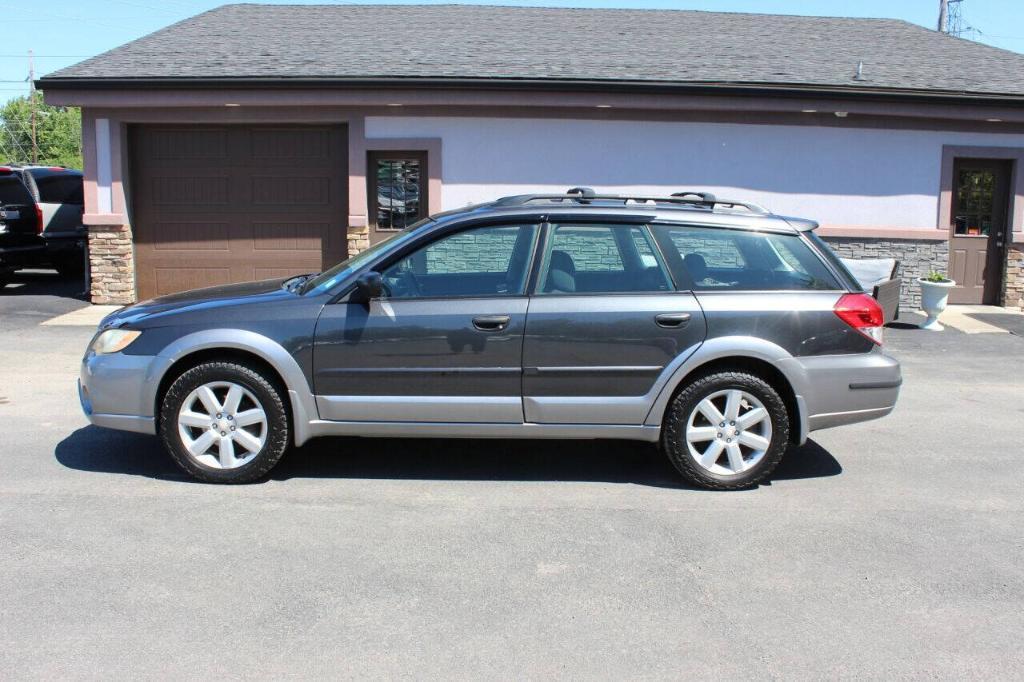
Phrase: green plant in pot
x=935 y=288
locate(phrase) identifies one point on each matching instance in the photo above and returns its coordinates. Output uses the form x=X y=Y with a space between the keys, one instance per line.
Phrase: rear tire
x=224 y=422
x=726 y=431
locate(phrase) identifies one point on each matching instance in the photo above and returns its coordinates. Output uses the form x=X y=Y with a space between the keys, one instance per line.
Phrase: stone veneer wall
x=111 y=264
x=1014 y=285
x=917 y=258
x=358 y=239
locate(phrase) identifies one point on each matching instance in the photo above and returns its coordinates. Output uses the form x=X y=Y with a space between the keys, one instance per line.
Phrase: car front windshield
x=327 y=279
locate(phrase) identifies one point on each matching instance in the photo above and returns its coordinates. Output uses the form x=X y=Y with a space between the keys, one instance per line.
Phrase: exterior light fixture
x=842 y=114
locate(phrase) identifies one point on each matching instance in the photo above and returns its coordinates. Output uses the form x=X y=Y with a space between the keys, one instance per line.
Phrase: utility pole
x=32 y=105
x=951 y=18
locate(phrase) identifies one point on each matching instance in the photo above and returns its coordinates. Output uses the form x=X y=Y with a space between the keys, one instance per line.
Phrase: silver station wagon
x=719 y=331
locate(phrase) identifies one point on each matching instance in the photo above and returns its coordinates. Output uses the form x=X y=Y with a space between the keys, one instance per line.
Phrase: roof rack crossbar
x=586 y=195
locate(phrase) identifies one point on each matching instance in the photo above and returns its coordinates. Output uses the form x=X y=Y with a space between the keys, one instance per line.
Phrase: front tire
x=726 y=431
x=224 y=422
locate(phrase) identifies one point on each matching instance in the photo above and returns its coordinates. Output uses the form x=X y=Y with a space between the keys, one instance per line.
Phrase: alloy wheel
x=728 y=432
x=222 y=425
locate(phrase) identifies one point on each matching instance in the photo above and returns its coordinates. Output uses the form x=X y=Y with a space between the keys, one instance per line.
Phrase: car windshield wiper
x=292 y=283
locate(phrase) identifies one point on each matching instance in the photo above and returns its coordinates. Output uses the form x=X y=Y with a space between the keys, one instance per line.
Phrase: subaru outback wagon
x=719 y=331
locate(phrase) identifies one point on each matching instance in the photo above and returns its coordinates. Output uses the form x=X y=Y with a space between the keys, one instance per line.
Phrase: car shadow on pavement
x=44 y=283
x=106 y=451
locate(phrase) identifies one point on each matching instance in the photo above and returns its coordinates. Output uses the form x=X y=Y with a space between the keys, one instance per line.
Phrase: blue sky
x=62 y=32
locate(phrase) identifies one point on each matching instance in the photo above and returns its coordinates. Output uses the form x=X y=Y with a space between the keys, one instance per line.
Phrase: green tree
x=58 y=133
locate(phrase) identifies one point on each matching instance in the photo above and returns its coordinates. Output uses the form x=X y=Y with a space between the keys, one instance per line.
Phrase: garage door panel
x=178 y=144
x=181 y=279
x=280 y=236
x=307 y=144
x=195 y=191
x=192 y=236
x=291 y=191
x=267 y=201
x=279 y=273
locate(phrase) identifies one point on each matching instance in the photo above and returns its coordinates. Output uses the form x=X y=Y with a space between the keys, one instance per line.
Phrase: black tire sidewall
x=270 y=397
x=673 y=438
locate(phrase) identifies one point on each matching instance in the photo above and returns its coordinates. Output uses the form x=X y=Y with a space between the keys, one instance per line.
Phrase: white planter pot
x=933 y=301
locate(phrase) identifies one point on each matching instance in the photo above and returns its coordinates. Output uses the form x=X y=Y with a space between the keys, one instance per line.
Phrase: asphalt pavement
x=887 y=550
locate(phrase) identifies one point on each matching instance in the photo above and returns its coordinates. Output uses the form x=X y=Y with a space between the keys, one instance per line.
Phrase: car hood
x=198 y=299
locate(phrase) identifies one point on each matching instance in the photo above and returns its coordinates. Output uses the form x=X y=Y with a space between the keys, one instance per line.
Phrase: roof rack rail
x=586 y=195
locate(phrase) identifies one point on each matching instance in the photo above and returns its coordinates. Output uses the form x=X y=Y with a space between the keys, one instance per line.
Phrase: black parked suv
x=41 y=219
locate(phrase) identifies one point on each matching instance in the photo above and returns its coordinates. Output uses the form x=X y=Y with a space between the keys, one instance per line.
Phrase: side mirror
x=370 y=285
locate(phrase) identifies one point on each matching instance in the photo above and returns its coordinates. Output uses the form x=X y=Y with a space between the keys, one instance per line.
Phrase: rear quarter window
x=58 y=189
x=716 y=259
x=13 y=190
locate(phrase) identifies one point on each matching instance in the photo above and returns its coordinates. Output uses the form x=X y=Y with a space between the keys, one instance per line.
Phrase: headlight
x=114 y=340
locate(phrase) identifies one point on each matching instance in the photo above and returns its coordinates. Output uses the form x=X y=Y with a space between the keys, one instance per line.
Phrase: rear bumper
x=845 y=389
x=112 y=392
x=21 y=256
x=64 y=244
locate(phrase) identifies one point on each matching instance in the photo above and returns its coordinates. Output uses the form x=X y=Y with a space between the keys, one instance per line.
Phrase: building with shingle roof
x=260 y=140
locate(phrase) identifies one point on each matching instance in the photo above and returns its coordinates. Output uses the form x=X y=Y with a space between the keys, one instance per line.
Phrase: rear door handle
x=491 y=323
x=670 y=320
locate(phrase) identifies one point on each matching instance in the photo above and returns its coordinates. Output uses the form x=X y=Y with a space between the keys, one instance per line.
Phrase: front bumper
x=113 y=391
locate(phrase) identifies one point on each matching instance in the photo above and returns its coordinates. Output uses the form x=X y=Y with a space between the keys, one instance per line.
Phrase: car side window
x=590 y=259
x=718 y=259
x=60 y=189
x=480 y=262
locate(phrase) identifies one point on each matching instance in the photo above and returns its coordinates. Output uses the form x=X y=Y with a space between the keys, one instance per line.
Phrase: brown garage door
x=220 y=204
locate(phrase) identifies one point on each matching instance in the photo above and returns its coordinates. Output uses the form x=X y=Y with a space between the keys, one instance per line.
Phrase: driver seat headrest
x=561 y=273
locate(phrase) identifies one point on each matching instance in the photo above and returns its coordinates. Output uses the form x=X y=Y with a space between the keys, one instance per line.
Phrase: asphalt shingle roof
x=507 y=43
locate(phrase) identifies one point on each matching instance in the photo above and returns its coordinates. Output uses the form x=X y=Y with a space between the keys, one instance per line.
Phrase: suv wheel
x=224 y=422
x=726 y=431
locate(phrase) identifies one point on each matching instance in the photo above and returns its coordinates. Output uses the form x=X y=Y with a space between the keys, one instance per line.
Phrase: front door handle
x=672 y=320
x=491 y=323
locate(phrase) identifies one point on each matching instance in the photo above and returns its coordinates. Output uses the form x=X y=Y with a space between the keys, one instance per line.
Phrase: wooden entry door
x=977 y=231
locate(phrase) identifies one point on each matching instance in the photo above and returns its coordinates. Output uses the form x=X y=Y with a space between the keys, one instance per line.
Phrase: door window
x=975 y=201
x=482 y=262
x=590 y=259
x=737 y=260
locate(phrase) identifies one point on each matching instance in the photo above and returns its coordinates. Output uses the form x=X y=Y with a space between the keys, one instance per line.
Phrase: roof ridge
x=498 y=5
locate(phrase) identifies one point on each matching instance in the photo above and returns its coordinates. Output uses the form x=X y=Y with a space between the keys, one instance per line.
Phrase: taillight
x=863 y=313
x=39 y=219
